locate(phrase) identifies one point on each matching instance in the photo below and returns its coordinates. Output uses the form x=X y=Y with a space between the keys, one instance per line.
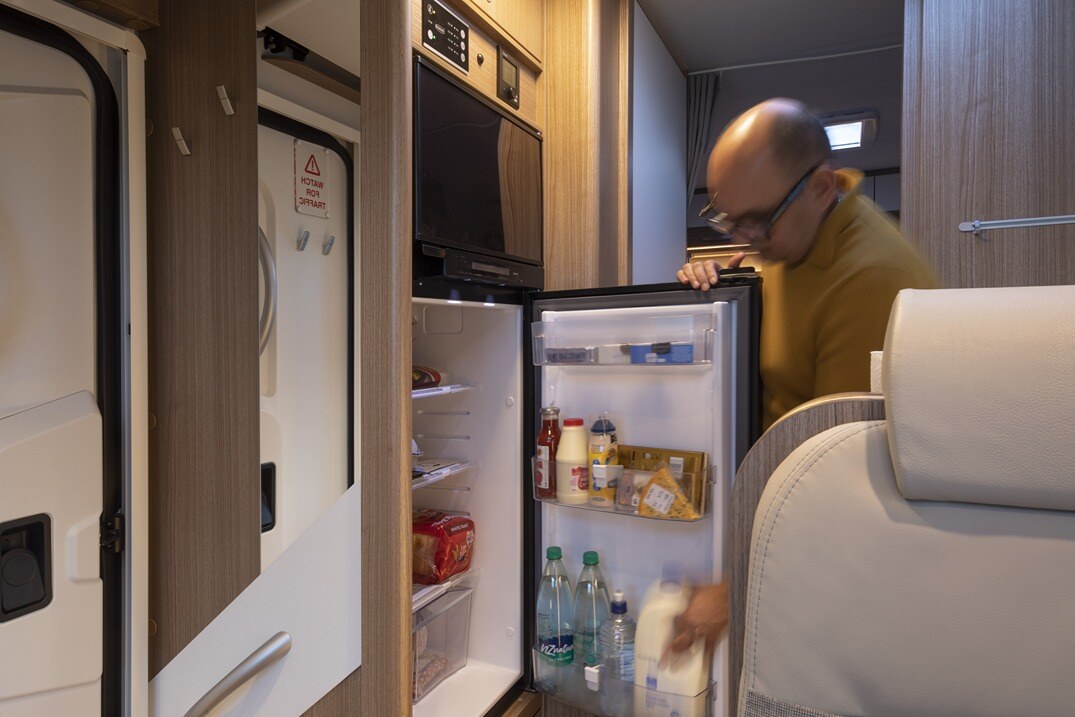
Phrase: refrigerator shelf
x=422 y=595
x=440 y=390
x=589 y=690
x=443 y=474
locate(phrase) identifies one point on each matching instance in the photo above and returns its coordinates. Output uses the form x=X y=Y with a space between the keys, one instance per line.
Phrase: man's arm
x=853 y=324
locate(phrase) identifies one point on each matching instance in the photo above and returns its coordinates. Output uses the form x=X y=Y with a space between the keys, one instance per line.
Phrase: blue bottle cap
x=602 y=425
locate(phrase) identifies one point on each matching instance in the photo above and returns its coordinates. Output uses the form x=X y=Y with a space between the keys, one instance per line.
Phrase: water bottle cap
x=553 y=552
x=619 y=603
x=589 y=557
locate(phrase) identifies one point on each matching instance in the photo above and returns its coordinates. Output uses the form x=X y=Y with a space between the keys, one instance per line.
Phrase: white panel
x=304 y=368
x=313 y=592
x=478 y=344
x=658 y=158
x=46 y=226
x=50 y=462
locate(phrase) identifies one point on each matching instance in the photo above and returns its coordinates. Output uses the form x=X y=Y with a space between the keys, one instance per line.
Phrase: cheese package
x=687 y=467
x=662 y=497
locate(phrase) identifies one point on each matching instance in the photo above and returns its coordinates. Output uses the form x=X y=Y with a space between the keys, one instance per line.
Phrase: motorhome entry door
x=60 y=375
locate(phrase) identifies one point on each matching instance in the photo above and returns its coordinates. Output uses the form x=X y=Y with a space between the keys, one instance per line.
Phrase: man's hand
x=703 y=274
x=705 y=617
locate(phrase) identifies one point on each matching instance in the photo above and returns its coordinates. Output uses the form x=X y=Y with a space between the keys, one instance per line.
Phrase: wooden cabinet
x=522 y=20
x=135 y=14
x=482 y=75
x=989 y=95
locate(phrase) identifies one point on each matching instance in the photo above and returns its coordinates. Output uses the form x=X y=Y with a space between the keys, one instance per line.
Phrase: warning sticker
x=311 y=182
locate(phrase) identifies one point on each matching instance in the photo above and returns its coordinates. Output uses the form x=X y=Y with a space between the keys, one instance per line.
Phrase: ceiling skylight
x=845 y=135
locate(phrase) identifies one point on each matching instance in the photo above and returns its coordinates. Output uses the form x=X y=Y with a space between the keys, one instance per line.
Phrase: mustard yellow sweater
x=822 y=316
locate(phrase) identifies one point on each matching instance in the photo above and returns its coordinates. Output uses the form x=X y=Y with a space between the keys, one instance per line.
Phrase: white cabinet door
x=312 y=592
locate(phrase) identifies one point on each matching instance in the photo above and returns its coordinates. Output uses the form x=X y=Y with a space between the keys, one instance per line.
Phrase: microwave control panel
x=446 y=34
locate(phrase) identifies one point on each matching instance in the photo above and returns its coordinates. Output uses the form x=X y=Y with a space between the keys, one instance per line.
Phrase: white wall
x=658 y=157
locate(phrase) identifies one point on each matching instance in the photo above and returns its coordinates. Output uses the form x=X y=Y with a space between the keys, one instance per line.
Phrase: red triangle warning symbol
x=312 y=168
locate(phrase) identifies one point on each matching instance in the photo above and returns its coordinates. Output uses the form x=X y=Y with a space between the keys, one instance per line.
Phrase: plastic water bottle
x=591 y=609
x=617 y=646
x=554 y=622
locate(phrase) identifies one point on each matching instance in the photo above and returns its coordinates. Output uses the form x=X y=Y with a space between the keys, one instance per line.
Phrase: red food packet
x=424 y=377
x=442 y=545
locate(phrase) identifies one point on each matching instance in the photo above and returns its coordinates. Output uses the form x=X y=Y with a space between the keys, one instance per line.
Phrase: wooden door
x=988 y=133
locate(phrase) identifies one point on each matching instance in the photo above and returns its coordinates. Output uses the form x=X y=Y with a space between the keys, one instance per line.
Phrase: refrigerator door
x=672 y=369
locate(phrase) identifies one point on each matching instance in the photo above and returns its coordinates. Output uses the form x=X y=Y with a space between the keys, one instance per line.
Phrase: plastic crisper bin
x=439 y=640
x=594 y=692
x=635 y=339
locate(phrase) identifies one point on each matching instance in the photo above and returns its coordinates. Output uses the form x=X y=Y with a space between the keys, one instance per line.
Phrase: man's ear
x=822 y=185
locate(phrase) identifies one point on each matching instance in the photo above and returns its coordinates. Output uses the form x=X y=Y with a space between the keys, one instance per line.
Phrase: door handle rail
x=272 y=651
x=977 y=226
x=268 y=305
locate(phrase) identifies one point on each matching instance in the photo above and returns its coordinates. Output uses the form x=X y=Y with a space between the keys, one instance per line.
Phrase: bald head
x=755 y=165
x=780 y=133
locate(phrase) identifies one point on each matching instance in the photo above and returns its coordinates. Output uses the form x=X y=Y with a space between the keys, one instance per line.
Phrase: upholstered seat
x=925 y=564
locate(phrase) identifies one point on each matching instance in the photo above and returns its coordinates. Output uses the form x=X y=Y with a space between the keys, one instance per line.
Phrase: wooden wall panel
x=135 y=14
x=987 y=134
x=203 y=317
x=483 y=77
x=586 y=143
x=521 y=22
x=382 y=685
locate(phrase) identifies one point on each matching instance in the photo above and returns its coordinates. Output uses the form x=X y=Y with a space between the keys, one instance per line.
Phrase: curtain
x=702 y=91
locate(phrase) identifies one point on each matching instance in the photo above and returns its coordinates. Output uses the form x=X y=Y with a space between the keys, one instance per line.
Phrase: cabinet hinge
x=112 y=533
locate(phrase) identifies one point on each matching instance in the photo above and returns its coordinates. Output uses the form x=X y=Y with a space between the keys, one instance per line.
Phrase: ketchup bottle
x=545 y=466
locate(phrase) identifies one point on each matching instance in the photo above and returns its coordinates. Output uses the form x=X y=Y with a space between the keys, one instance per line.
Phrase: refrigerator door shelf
x=695 y=487
x=605 y=695
x=662 y=336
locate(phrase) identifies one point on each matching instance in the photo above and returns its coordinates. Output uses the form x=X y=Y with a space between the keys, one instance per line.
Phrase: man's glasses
x=752 y=231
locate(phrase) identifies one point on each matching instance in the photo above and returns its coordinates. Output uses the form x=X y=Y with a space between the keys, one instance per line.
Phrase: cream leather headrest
x=980 y=395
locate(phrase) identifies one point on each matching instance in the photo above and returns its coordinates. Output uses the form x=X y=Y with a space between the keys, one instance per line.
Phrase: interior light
x=850 y=129
x=846 y=135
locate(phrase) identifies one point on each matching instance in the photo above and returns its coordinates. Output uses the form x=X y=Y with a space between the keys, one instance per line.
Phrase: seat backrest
x=894 y=568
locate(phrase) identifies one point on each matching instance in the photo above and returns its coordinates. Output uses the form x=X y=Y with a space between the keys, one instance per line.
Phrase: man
x=832 y=266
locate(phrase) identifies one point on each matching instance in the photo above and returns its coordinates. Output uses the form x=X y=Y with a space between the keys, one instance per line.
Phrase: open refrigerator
x=675 y=368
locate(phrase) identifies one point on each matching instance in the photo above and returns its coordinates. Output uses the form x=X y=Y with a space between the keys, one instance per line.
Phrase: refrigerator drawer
x=647 y=336
x=440 y=637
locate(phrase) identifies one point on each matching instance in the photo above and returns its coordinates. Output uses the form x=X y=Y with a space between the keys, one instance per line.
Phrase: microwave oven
x=477 y=187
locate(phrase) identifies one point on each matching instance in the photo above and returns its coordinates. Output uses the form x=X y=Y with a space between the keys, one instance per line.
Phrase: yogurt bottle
x=572 y=464
x=604 y=446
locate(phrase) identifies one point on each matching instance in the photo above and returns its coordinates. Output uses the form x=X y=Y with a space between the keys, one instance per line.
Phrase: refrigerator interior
x=687 y=407
x=478 y=347
x=303 y=367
